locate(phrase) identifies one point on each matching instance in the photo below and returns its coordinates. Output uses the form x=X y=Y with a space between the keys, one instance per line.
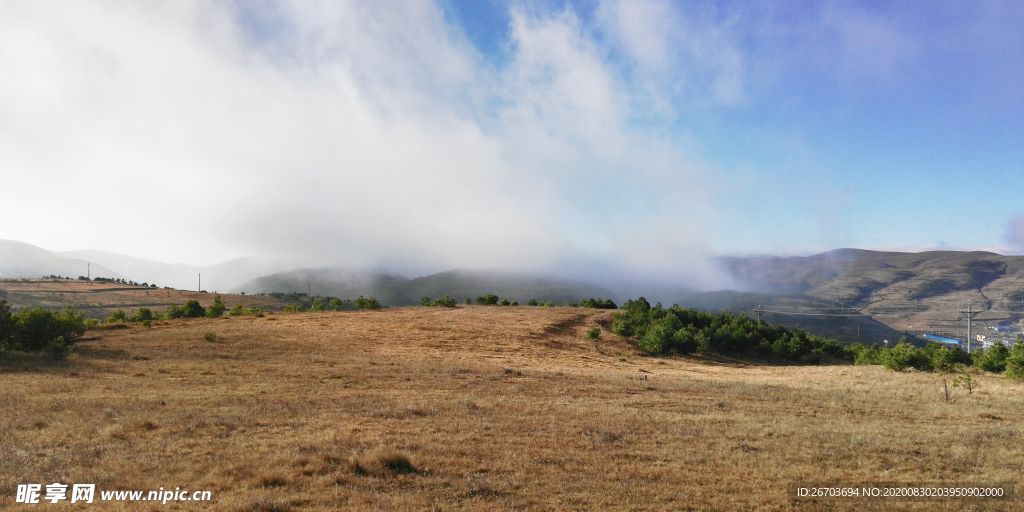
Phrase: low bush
x=992 y=359
x=118 y=316
x=367 y=303
x=904 y=356
x=216 y=309
x=142 y=314
x=192 y=309
x=1015 y=362
x=174 y=311
x=37 y=330
x=445 y=301
x=597 y=303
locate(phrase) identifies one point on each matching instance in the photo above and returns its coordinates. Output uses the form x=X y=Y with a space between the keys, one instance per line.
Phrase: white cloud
x=677 y=53
x=353 y=133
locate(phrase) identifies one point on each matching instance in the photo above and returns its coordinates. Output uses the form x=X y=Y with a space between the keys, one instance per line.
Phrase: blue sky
x=629 y=137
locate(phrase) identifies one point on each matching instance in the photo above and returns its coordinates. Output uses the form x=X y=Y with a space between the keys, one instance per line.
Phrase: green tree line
x=38 y=330
x=658 y=330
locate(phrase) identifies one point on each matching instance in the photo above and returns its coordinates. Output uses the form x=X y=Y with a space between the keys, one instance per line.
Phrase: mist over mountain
x=18 y=260
x=394 y=290
x=220 y=277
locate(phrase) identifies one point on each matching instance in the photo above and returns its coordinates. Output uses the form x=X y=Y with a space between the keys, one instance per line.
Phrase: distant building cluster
x=1004 y=334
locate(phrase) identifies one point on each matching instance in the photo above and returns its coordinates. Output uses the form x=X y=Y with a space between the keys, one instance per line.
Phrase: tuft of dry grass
x=477 y=408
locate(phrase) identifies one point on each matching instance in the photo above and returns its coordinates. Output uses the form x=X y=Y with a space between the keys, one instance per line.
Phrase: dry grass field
x=97 y=299
x=476 y=408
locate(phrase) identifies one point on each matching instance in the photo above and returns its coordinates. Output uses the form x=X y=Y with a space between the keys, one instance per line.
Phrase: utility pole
x=88 y=271
x=200 y=282
x=309 y=289
x=758 y=311
x=970 y=315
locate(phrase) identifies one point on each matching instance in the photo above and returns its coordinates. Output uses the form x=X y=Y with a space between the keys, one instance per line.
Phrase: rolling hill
x=21 y=260
x=914 y=291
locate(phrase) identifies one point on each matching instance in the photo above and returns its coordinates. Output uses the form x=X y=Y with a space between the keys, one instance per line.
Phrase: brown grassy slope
x=98 y=300
x=493 y=409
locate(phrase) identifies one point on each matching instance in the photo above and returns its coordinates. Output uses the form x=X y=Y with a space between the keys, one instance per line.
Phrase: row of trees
x=191 y=309
x=997 y=359
x=493 y=300
x=657 y=330
x=333 y=304
x=37 y=329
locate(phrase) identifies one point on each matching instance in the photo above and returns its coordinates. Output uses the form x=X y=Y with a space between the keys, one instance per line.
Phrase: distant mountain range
x=859 y=277
x=252 y=275
x=19 y=260
x=920 y=292
x=913 y=291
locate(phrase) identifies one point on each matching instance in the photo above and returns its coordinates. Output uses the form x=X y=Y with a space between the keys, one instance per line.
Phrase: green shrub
x=174 y=311
x=192 y=309
x=118 y=317
x=904 y=356
x=1015 y=362
x=598 y=303
x=36 y=329
x=216 y=309
x=445 y=301
x=594 y=335
x=487 y=300
x=993 y=359
x=237 y=310
x=702 y=343
x=7 y=322
x=944 y=358
x=367 y=303
x=863 y=355
x=142 y=314
x=210 y=337
x=622 y=327
x=468 y=302
x=425 y=301
x=58 y=348
x=317 y=305
x=504 y=302
x=531 y=302
x=515 y=303
x=294 y=308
